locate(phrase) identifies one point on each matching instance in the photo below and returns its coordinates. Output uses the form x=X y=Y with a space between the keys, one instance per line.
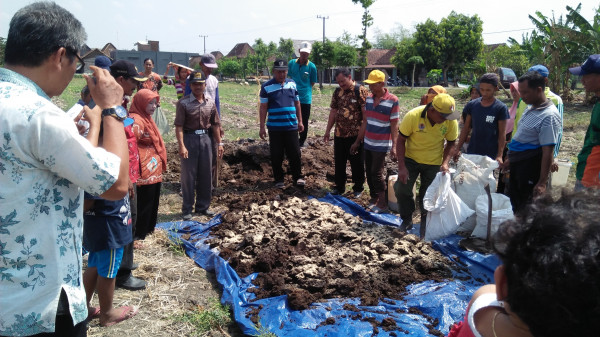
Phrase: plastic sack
x=445 y=209
x=473 y=172
x=161 y=121
x=501 y=211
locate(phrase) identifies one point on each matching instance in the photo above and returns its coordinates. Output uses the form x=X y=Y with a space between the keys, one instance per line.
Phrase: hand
x=92 y=116
x=300 y=127
x=220 y=151
x=554 y=166
x=354 y=148
x=262 y=133
x=505 y=165
x=105 y=90
x=326 y=138
x=183 y=152
x=444 y=168
x=539 y=190
x=393 y=154
x=403 y=174
x=499 y=160
x=131 y=190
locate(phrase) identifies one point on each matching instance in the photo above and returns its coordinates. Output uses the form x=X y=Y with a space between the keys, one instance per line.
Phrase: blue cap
x=540 y=69
x=590 y=66
x=103 y=62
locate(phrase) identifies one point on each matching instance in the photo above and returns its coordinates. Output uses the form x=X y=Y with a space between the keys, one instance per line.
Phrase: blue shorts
x=107 y=262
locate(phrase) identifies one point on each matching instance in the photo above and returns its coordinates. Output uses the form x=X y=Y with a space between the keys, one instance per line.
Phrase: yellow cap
x=375 y=76
x=445 y=104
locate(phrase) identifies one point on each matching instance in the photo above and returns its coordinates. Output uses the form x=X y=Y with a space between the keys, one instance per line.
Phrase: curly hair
x=551 y=255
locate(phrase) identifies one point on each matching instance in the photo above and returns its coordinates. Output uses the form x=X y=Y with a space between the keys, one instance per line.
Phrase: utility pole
x=204 y=36
x=323 y=70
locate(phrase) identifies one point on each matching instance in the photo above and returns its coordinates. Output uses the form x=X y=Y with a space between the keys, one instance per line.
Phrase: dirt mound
x=311 y=250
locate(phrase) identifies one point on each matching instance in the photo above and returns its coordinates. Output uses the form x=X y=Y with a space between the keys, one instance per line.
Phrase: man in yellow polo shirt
x=425 y=140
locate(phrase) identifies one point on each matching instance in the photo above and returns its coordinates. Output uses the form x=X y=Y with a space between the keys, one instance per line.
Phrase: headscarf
x=510 y=123
x=428 y=98
x=138 y=112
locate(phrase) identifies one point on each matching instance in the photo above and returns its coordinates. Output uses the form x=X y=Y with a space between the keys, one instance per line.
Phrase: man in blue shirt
x=304 y=73
x=279 y=100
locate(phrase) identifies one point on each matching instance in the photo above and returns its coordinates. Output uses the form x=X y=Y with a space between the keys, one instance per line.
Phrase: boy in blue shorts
x=106 y=230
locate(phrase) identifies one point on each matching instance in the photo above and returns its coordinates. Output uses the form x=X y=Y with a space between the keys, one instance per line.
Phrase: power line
x=510 y=31
x=204 y=36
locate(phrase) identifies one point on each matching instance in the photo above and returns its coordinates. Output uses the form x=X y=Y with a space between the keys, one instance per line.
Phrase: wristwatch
x=116 y=111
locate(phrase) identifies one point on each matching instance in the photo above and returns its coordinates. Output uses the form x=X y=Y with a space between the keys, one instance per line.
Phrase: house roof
x=217 y=54
x=93 y=53
x=380 y=58
x=241 y=50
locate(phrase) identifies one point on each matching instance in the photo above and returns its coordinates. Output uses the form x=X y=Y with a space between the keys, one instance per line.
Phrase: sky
x=179 y=25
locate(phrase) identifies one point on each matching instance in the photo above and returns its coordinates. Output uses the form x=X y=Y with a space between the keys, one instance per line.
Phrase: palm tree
x=414 y=60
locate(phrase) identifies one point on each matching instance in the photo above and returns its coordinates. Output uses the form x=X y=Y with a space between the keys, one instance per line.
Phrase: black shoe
x=406 y=226
x=131 y=283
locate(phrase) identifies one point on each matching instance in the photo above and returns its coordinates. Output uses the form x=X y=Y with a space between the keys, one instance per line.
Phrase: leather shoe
x=131 y=283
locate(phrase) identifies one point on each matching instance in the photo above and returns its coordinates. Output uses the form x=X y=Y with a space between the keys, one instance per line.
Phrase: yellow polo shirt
x=425 y=142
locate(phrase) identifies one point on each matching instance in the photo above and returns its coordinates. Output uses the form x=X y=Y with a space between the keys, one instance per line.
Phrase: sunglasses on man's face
x=80 y=62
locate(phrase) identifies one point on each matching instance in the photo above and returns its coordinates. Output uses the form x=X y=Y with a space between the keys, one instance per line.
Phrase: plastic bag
x=501 y=211
x=473 y=172
x=161 y=121
x=445 y=209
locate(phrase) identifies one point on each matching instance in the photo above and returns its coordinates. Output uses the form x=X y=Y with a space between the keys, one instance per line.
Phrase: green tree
x=345 y=55
x=230 y=67
x=367 y=21
x=414 y=60
x=428 y=43
x=285 y=50
x=347 y=39
x=263 y=53
x=323 y=56
x=391 y=39
x=404 y=50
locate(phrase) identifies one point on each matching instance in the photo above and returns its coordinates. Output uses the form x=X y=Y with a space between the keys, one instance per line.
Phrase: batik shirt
x=43 y=164
x=349 y=110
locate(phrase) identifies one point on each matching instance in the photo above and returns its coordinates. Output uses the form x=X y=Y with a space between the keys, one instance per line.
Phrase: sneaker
x=187 y=217
x=279 y=184
x=357 y=194
x=205 y=212
x=300 y=182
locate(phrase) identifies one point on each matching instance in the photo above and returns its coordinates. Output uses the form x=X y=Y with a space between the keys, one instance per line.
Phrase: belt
x=197 y=132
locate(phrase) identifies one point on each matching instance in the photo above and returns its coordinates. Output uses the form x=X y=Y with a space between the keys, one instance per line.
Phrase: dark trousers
x=341 y=155
x=196 y=173
x=524 y=175
x=374 y=165
x=404 y=192
x=305 y=110
x=64 y=323
x=148 y=199
x=127 y=262
x=285 y=142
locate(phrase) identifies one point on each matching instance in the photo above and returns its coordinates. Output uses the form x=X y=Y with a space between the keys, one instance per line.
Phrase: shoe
x=279 y=184
x=300 y=182
x=335 y=191
x=406 y=225
x=131 y=283
x=378 y=210
x=205 y=212
x=187 y=217
x=357 y=194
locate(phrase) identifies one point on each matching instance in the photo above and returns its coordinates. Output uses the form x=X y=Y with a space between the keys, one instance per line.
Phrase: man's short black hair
x=534 y=80
x=40 y=29
x=343 y=71
x=489 y=78
x=551 y=258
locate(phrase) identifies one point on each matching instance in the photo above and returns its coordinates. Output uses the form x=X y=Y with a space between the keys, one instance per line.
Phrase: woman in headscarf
x=431 y=93
x=153 y=160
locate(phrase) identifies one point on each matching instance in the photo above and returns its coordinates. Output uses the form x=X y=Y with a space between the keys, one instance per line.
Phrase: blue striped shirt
x=281 y=104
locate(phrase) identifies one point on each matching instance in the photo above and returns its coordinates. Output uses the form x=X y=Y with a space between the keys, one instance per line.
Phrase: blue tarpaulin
x=444 y=301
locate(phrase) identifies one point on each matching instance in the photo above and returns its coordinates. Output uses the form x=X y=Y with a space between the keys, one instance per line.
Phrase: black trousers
x=374 y=165
x=285 y=142
x=341 y=155
x=148 y=199
x=305 y=110
x=524 y=175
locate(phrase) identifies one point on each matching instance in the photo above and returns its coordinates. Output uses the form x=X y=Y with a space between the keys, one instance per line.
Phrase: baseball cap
x=280 y=64
x=197 y=77
x=103 y=62
x=590 y=66
x=375 y=76
x=209 y=61
x=127 y=70
x=305 y=46
x=445 y=104
x=540 y=69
